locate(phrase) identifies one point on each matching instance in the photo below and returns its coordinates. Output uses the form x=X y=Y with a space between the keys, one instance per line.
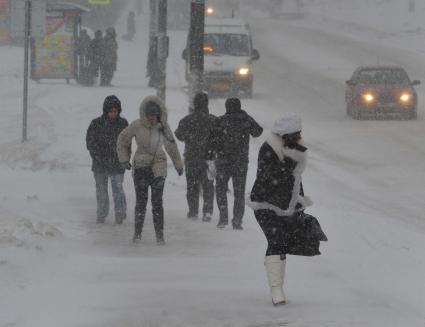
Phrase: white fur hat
x=287 y=124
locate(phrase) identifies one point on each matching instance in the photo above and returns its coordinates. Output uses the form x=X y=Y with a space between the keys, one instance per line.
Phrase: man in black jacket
x=110 y=57
x=101 y=141
x=96 y=54
x=195 y=131
x=231 y=143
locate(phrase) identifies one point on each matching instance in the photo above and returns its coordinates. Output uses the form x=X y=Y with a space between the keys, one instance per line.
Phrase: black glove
x=180 y=171
x=125 y=165
x=289 y=163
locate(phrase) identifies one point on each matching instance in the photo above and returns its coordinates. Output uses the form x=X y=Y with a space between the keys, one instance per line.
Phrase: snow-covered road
x=57 y=267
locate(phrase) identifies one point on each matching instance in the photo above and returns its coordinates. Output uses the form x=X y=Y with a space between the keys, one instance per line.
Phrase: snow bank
x=23 y=232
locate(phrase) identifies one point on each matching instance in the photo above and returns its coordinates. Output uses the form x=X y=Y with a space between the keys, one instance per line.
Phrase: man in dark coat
x=96 y=53
x=195 y=131
x=83 y=44
x=110 y=51
x=231 y=143
x=131 y=26
x=101 y=141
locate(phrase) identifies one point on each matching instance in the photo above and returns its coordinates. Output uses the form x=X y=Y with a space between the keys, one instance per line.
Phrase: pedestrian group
x=98 y=57
x=216 y=149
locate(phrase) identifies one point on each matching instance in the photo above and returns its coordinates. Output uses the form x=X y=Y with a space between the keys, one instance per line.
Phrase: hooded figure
x=96 y=53
x=101 y=141
x=83 y=46
x=110 y=60
x=195 y=131
x=230 y=142
x=131 y=26
x=152 y=134
x=277 y=196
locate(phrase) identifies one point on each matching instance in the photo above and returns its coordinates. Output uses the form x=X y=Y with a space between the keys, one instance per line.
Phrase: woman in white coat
x=152 y=134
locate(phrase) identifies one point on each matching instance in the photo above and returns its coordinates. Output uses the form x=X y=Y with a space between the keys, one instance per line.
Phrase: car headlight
x=405 y=97
x=244 y=71
x=210 y=11
x=368 y=97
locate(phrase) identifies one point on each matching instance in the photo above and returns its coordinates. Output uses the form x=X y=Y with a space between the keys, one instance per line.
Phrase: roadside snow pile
x=22 y=232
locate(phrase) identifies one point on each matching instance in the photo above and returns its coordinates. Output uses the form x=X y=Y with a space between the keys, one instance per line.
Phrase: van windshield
x=226 y=44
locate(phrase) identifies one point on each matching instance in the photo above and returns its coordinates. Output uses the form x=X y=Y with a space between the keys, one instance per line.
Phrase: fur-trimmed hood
x=153 y=99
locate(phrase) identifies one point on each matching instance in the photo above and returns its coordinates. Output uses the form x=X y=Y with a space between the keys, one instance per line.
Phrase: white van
x=228 y=58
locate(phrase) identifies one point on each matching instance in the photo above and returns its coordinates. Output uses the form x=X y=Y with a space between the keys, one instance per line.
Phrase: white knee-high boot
x=275 y=268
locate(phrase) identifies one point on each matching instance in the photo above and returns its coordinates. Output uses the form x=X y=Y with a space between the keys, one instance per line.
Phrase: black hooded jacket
x=195 y=131
x=101 y=139
x=232 y=133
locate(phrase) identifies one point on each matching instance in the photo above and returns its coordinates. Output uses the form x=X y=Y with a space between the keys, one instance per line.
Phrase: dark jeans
x=102 y=196
x=236 y=171
x=276 y=229
x=196 y=177
x=143 y=179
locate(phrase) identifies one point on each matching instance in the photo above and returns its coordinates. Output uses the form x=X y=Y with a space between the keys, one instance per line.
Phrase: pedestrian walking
x=278 y=201
x=83 y=45
x=152 y=134
x=131 y=26
x=195 y=130
x=101 y=141
x=96 y=54
x=230 y=141
x=110 y=57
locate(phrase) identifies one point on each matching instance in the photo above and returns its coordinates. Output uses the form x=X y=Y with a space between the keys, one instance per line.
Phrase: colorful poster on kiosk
x=53 y=54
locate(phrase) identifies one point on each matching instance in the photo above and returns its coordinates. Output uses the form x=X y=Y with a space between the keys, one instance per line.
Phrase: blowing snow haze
x=269 y=172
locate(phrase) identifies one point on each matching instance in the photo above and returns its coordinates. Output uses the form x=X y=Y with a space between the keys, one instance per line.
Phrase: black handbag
x=305 y=235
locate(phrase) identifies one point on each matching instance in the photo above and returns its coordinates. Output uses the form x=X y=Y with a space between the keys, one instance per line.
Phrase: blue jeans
x=102 y=196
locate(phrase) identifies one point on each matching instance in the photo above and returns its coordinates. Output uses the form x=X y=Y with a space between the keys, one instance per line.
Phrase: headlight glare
x=368 y=97
x=244 y=71
x=405 y=97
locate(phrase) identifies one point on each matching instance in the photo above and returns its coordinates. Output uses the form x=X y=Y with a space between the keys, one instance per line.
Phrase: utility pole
x=412 y=6
x=196 y=48
x=162 y=42
x=151 y=66
x=27 y=32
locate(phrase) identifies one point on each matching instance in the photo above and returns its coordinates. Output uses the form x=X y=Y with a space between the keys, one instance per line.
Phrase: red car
x=381 y=91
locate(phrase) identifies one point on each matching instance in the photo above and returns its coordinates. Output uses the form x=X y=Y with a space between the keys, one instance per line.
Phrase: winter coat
x=278 y=184
x=231 y=136
x=150 y=142
x=195 y=131
x=83 y=45
x=110 y=51
x=96 y=51
x=101 y=141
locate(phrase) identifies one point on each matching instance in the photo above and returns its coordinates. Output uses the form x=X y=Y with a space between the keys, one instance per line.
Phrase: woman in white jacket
x=152 y=133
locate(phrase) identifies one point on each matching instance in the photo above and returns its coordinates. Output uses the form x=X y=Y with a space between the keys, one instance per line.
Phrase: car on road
x=228 y=58
x=381 y=92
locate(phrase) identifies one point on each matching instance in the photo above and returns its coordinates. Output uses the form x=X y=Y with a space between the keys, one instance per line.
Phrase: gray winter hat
x=289 y=123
